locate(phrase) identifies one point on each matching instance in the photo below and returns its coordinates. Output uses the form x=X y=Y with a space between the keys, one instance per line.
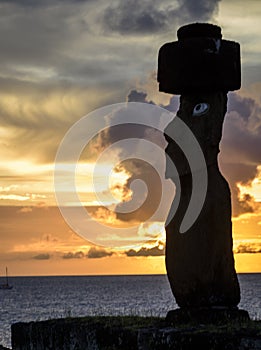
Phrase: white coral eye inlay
x=200 y=109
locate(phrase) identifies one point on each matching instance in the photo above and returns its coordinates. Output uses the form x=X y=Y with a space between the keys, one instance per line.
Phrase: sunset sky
x=63 y=59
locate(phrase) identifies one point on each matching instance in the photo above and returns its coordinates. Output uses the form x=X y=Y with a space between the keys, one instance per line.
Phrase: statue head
x=199 y=61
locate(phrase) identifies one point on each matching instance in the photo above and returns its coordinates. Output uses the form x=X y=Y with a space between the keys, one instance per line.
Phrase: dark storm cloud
x=239 y=173
x=246 y=204
x=241 y=145
x=146 y=203
x=201 y=10
x=61 y=40
x=173 y=104
x=242 y=129
x=53 y=53
x=137 y=96
x=141 y=96
x=128 y=17
x=123 y=131
x=141 y=170
x=151 y=16
x=243 y=106
x=246 y=144
x=240 y=151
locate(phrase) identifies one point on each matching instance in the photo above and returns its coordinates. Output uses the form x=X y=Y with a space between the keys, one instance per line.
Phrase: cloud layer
x=150 y=16
x=62 y=59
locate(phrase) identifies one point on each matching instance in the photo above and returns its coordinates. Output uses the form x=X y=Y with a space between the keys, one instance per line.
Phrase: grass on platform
x=137 y=322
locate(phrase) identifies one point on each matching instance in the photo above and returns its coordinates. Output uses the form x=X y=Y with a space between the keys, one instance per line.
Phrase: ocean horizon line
x=112 y=275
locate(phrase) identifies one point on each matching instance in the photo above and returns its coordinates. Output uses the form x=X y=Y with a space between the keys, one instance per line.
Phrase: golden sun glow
x=153 y=232
x=118 y=179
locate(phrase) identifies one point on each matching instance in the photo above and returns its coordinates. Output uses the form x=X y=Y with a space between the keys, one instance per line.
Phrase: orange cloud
x=76 y=255
x=42 y=256
x=155 y=251
x=252 y=188
x=97 y=253
x=248 y=247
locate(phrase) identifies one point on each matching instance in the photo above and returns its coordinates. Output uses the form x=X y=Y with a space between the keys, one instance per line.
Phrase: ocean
x=41 y=298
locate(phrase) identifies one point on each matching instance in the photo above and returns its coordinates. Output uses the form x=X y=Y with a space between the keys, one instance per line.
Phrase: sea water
x=41 y=298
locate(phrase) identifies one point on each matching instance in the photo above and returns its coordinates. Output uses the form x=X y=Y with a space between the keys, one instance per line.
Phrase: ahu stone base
x=130 y=333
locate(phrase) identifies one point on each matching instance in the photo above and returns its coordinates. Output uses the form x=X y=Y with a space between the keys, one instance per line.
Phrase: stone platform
x=136 y=333
x=206 y=315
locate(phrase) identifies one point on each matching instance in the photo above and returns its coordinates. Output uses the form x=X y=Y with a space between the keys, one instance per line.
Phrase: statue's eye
x=200 y=108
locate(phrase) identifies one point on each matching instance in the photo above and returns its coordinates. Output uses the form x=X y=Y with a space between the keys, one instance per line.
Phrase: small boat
x=6 y=285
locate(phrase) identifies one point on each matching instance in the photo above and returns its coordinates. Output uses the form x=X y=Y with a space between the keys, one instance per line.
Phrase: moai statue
x=202 y=68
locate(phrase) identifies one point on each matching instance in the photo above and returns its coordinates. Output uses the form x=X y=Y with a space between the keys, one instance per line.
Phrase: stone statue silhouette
x=202 y=68
x=200 y=263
